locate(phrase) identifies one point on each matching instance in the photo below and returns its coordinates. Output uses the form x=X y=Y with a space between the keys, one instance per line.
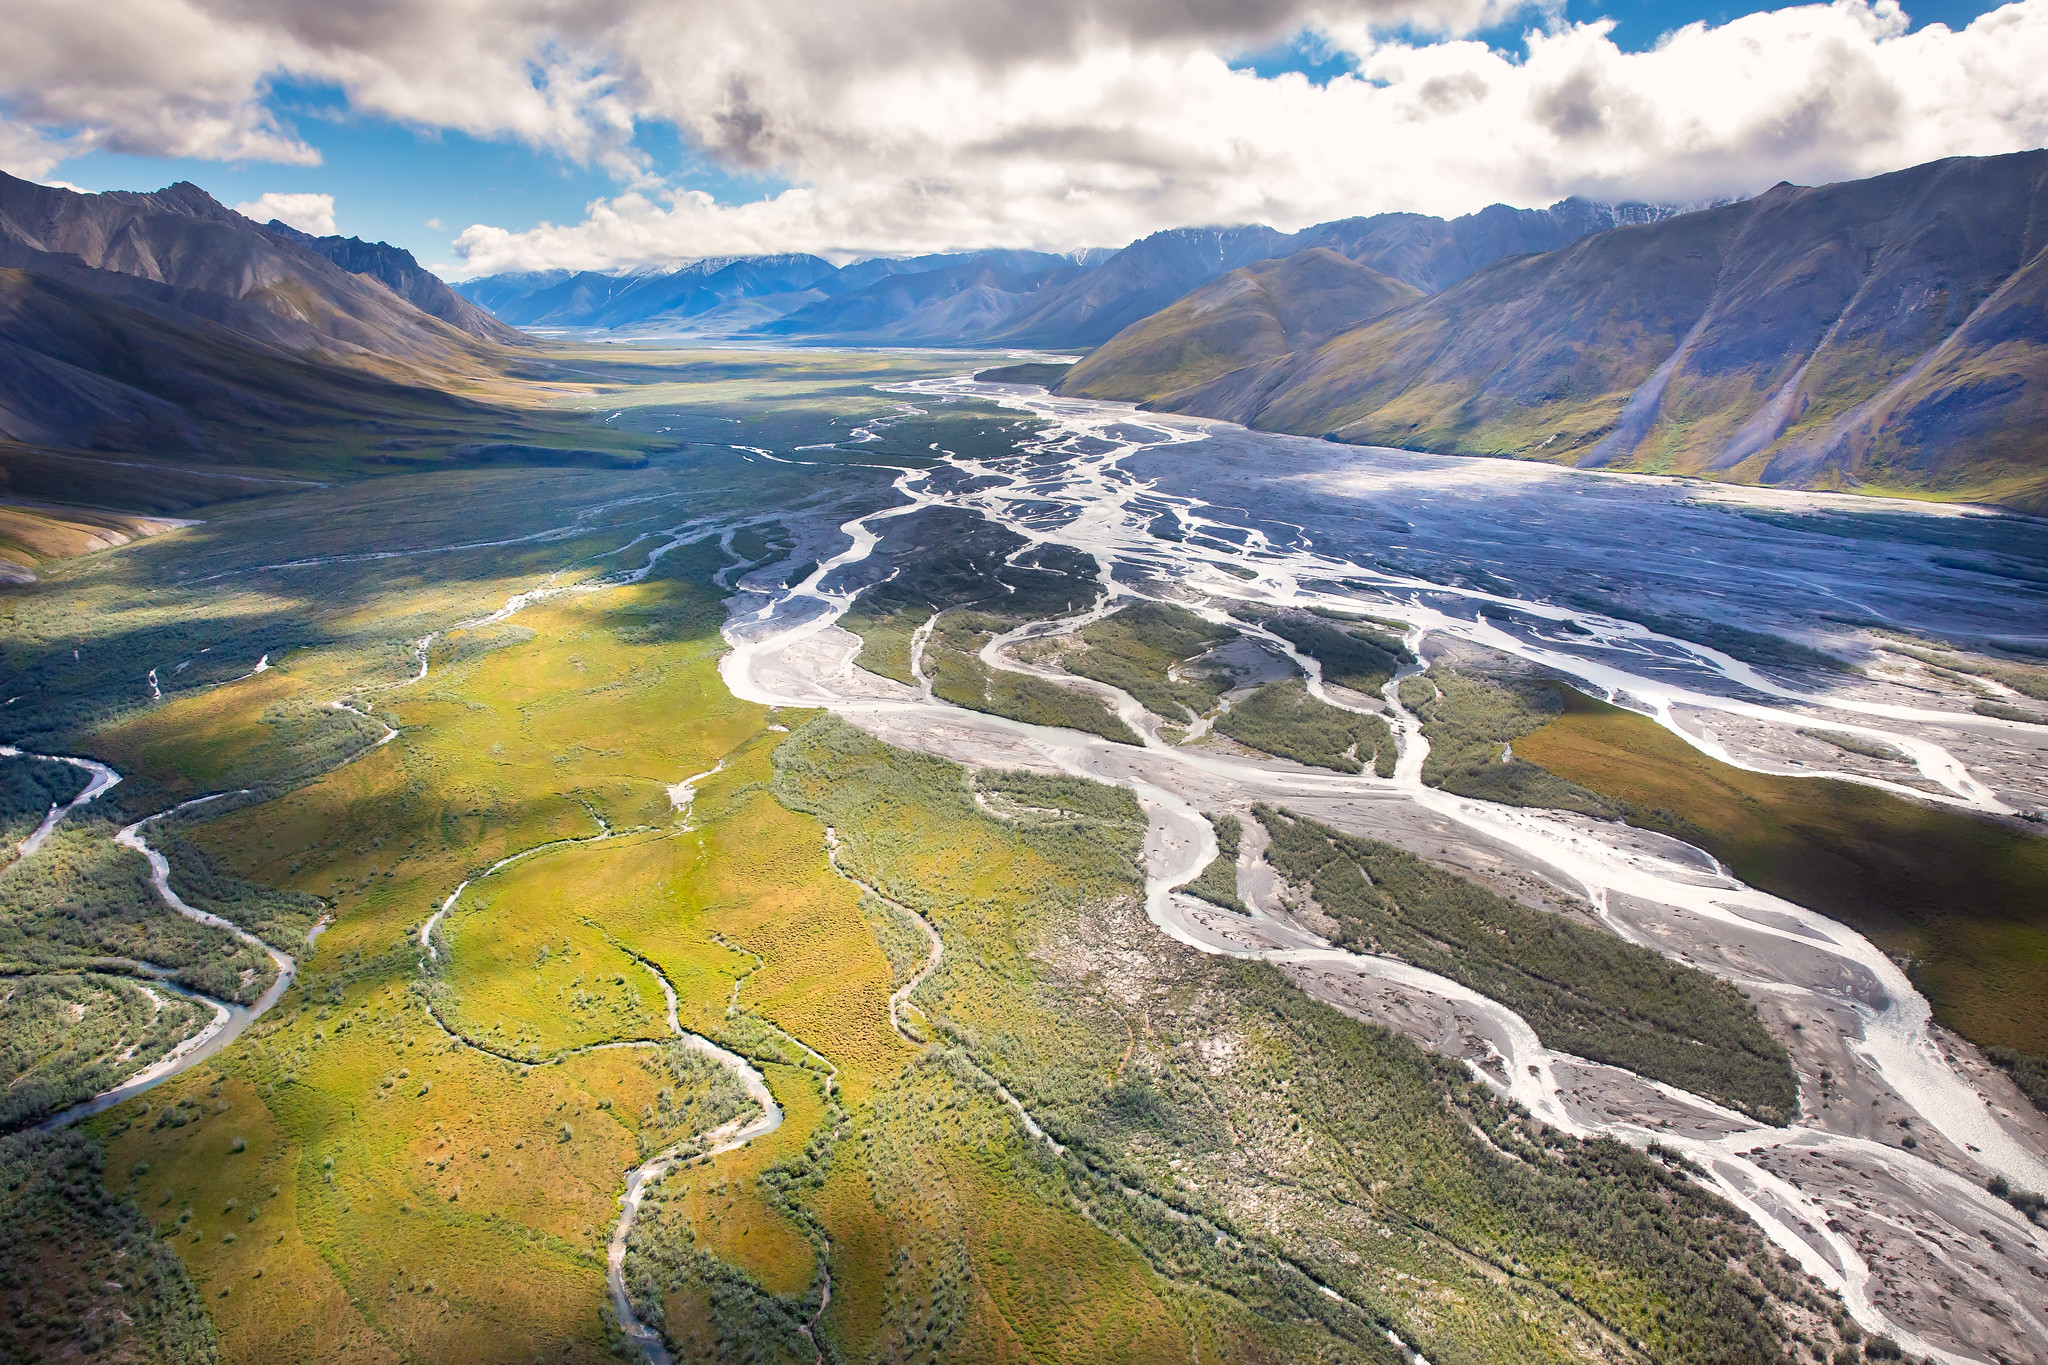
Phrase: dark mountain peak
x=399 y=271
x=185 y=197
x=180 y=249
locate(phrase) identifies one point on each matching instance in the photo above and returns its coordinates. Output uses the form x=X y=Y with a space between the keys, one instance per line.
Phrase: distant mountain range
x=1015 y=298
x=1887 y=335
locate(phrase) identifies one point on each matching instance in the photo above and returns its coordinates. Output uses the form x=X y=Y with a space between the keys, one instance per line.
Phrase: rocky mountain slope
x=217 y=266
x=82 y=371
x=1214 y=350
x=400 y=272
x=1885 y=334
x=168 y=327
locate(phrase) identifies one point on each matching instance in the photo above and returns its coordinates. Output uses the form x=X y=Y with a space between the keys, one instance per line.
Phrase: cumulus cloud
x=914 y=125
x=1107 y=144
x=30 y=152
x=312 y=213
x=189 y=77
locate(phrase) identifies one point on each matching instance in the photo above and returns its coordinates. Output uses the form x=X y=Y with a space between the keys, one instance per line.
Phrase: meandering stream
x=786 y=651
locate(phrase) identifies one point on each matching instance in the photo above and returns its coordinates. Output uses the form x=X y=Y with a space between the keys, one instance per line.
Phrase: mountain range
x=1883 y=335
x=1887 y=335
x=168 y=326
x=1015 y=298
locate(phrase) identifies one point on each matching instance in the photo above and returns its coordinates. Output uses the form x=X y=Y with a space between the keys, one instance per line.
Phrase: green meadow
x=418 y=1154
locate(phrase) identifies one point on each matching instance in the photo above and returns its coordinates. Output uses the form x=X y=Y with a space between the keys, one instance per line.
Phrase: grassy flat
x=494 y=1183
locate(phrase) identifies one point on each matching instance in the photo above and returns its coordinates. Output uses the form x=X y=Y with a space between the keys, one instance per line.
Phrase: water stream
x=786 y=652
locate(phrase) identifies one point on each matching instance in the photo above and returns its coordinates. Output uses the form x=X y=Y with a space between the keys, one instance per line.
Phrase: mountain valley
x=1031 y=807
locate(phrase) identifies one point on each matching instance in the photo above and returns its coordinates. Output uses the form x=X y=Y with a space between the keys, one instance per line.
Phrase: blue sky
x=420 y=187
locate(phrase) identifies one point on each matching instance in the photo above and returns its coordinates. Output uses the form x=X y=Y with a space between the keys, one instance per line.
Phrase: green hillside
x=1882 y=335
x=1210 y=352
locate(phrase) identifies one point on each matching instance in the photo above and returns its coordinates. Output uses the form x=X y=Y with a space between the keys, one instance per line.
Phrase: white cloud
x=312 y=213
x=1118 y=141
x=434 y=223
x=909 y=125
x=30 y=152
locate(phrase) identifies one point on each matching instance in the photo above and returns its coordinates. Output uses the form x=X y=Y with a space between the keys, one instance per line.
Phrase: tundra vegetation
x=1884 y=865
x=1583 y=990
x=1472 y=722
x=1217 y=883
x=418 y=1152
x=1282 y=719
x=29 y=787
x=958 y=675
x=81 y=1274
x=1144 y=649
x=65 y=1037
x=84 y=903
x=1161 y=1073
x=1350 y=655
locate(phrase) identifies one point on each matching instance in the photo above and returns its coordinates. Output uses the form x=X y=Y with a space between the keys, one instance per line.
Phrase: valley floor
x=743 y=837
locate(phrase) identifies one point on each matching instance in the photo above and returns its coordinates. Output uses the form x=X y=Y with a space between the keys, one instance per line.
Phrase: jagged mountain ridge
x=1884 y=334
x=589 y=298
x=1023 y=298
x=220 y=267
x=400 y=271
x=933 y=295
x=168 y=325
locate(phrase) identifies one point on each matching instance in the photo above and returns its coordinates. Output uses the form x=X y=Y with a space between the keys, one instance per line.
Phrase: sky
x=496 y=135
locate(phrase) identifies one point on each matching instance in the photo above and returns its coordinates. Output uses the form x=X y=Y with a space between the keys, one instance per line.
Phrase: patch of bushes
x=81 y=1273
x=1218 y=882
x=1283 y=719
x=959 y=676
x=1138 y=648
x=1583 y=990
x=1472 y=722
x=1356 y=657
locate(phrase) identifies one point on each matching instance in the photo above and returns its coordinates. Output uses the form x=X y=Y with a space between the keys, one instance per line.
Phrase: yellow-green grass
x=1965 y=898
x=1051 y=1282
x=500 y=751
x=336 y=1263
x=199 y=742
x=942 y=1202
x=730 y=1211
x=746 y=897
x=767 y=887
x=532 y=974
x=885 y=640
